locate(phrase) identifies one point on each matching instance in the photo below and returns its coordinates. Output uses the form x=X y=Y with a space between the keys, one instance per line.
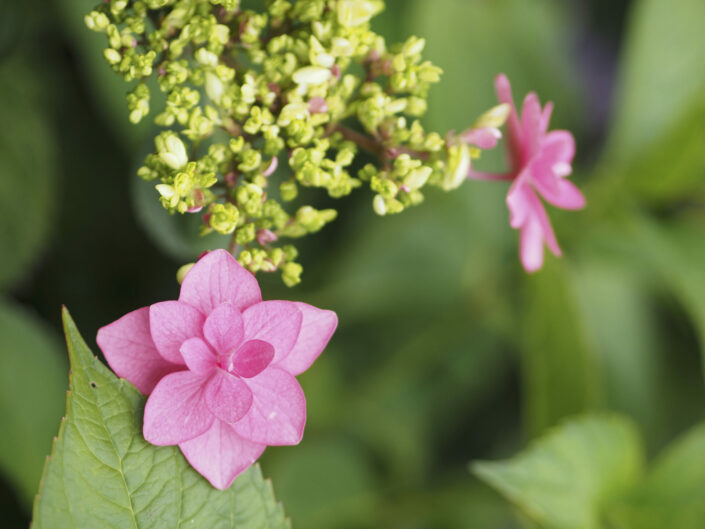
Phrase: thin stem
x=359 y=139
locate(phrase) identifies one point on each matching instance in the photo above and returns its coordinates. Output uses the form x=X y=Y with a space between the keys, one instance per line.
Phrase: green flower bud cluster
x=261 y=103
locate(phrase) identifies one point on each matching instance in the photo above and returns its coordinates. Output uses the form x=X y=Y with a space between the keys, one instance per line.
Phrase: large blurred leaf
x=662 y=72
x=560 y=368
x=326 y=484
x=566 y=479
x=424 y=258
x=474 y=40
x=27 y=170
x=659 y=126
x=672 y=493
x=618 y=316
x=106 y=87
x=677 y=252
x=32 y=382
x=102 y=473
x=424 y=389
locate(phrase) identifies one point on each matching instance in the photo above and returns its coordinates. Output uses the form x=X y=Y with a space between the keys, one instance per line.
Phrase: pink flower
x=540 y=161
x=219 y=366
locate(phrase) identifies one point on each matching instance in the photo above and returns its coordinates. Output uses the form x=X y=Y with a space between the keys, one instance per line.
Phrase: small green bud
x=288 y=190
x=214 y=87
x=224 y=218
x=379 y=205
x=417 y=178
x=171 y=150
x=245 y=234
x=353 y=13
x=312 y=75
x=291 y=274
x=182 y=271
x=494 y=117
x=96 y=21
x=112 y=56
x=457 y=167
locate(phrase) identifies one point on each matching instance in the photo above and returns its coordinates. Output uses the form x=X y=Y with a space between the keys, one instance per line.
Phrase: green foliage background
x=447 y=352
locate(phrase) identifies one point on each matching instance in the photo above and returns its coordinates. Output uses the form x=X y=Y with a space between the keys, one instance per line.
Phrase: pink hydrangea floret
x=219 y=366
x=540 y=162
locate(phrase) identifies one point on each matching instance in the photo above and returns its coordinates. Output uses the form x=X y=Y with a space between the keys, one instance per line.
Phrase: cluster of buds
x=259 y=104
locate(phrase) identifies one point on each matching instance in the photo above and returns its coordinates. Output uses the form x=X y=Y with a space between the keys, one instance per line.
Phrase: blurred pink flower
x=540 y=162
x=219 y=366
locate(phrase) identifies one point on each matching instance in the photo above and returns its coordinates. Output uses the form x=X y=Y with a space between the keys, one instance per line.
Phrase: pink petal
x=546 y=117
x=198 y=356
x=252 y=358
x=218 y=278
x=128 y=347
x=227 y=397
x=224 y=328
x=564 y=195
x=220 y=455
x=484 y=138
x=552 y=162
x=558 y=146
x=317 y=328
x=176 y=410
x=531 y=123
x=515 y=136
x=531 y=246
x=548 y=235
x=278 y=412
x=171 y=323
x=275 y=322
x=518 y=201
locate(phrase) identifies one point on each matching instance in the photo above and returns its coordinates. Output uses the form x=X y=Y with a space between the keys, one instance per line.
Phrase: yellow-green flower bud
x=291 y=274
x=312 y=75
x=457 y=167
x=224 y=218
x=171 y=150
x=182 y=271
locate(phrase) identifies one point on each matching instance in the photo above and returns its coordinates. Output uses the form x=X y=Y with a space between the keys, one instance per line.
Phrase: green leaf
x=677 y=253
x=618 y=316
x=106 y=87
x=659 y=125
x=662 y=73
x=559 y=362
x=339 y=486
x=672 y=493
x=102 y=473
x=475 y=40
x=32 y=385
x=27 y=164
x=567 y=478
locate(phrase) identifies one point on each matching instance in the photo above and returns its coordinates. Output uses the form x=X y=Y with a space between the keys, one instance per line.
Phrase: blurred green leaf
x=474 y=40
x=103 y=473
x=659 y=125
x=677 y=253
x=618 y=317
x=559 y=363
x=326 y=483
x=27 y=170
x=661 y=74
x=671 y=495
x=32 y=395
x=567 y=478
x=106 y=87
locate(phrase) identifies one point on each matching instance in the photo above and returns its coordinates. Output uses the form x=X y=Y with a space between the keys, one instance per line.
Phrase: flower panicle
x=257 y=105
